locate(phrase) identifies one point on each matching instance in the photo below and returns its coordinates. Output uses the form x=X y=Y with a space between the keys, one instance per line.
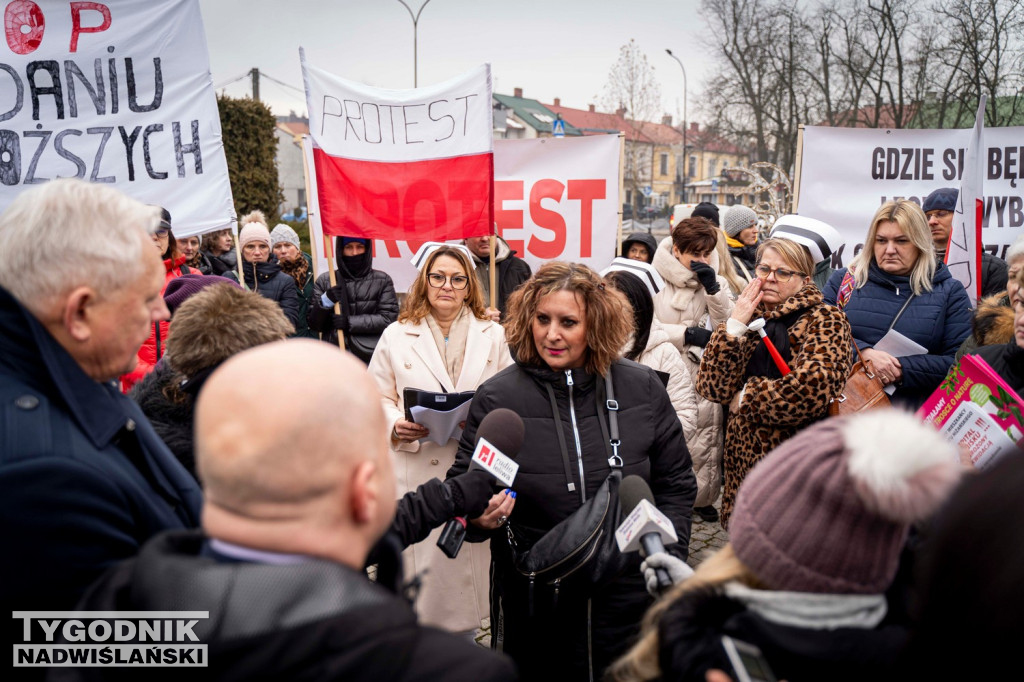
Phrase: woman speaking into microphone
x=766 y=404
x=566 y=329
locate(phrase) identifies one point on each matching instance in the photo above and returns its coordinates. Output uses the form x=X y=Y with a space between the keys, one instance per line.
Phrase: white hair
x=1016 y=249
x=69 y=233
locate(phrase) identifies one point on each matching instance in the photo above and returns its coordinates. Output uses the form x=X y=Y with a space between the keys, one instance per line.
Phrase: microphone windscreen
x=503 y=429
x=631 y=491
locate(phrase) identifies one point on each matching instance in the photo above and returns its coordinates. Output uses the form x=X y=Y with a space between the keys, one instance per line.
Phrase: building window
x=711 y=167
x=664 y=164
x=692 y=170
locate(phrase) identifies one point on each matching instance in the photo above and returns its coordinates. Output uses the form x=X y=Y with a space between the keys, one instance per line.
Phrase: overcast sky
x=550 y=48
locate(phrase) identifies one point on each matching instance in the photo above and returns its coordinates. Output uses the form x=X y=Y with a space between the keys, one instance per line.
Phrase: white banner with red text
x=847 y=173
x=554 y=199
x=116 y=92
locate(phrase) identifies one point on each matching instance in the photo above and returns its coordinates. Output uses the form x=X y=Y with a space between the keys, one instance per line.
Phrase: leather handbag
x=863 y=390
x=362 y=345
x=581 y=547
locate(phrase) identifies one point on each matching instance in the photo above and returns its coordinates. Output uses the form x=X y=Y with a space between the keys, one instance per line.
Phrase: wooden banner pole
x=329 y=250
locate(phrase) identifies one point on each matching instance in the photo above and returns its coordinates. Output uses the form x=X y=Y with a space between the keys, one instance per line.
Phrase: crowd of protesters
x=166 y=439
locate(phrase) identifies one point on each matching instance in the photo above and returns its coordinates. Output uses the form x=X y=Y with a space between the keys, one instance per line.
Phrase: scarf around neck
x=452 y=348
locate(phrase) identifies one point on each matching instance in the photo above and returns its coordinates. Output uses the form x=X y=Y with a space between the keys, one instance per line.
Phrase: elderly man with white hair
x=84 y=479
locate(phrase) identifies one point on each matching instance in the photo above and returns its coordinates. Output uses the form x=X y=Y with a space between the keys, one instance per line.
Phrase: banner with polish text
x=554 y=199
x=402 y=164
x=847 y=173
x=116 y=92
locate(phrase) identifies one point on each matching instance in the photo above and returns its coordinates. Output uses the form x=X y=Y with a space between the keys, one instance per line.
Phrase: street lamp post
x=415 y=39
x=686 y=159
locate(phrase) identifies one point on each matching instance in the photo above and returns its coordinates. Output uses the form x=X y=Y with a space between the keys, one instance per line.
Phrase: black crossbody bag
x=580 y=549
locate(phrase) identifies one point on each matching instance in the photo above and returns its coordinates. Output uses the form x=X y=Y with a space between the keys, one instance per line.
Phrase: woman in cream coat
x=695 y=301
x=442 y=342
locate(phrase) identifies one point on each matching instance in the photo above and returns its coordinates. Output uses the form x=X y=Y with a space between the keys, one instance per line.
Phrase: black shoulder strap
x=615 y=461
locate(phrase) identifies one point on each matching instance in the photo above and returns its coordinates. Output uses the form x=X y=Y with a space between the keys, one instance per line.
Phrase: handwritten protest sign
x=402 y=164
x=115 y=92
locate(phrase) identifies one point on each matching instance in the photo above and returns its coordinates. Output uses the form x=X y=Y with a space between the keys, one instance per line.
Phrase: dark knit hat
x=707 y=210
x=942 y=199
x=181 y=288
x=828 y=510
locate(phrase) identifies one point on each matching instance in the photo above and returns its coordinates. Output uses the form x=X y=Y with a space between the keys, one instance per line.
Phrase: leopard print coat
x=773 y=410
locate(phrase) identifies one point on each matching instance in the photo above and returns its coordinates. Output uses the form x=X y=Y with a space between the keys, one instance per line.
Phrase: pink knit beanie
x=828 y=510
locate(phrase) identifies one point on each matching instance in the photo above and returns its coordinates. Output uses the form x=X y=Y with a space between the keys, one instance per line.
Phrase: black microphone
x=504 y=430
x=643 y=525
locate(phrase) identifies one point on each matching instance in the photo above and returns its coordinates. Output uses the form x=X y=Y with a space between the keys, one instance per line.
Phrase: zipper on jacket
x=590 y=643
x=576 y=435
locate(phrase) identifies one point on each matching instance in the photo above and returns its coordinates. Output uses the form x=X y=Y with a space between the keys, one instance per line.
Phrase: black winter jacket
x=315 y=620
x=226 y=262
x=373 y=300
x=512 y=272
x=269 y=281
x=576 y=634
x=995 y=273
x=1007 y=359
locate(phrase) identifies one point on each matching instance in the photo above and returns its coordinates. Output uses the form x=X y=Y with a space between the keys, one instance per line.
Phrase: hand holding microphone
x=499 y=439
x=645 y=528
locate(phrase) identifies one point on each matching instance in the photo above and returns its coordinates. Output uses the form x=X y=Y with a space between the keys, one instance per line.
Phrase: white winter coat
x=455 y=592
x=660 y=355
x=683 y=303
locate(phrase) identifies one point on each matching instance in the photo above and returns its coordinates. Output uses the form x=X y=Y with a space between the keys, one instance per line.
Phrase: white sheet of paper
x=898 y=346
x=443 y=425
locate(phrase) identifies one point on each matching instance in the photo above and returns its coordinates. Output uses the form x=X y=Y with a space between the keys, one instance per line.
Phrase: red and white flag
x=963 y=256
x=414 y=165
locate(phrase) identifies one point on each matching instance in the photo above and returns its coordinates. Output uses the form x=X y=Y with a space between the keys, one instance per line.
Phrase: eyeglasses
x=437 y=280
x=781 y=275
x=162 y=232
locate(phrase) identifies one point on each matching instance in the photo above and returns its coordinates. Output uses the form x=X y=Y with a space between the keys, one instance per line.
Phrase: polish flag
x=414 y=165
x=963 y=255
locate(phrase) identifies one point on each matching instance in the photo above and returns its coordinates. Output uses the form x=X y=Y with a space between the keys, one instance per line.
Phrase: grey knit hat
x=283 y=233
x=737 y=219
x=829 y=509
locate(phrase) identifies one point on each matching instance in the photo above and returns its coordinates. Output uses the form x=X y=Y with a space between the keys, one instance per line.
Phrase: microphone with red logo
x=644 y=526
x=498 y=441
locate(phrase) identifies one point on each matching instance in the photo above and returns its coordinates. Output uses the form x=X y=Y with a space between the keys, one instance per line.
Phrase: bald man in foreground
x=294 y=501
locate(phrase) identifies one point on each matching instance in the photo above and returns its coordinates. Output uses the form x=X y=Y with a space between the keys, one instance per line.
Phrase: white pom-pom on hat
x=910 y=486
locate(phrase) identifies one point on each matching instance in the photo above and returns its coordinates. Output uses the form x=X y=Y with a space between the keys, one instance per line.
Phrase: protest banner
x=555 y=199
x=847 y=173
x=411 y=165
x=117 y=92
x=976 y=409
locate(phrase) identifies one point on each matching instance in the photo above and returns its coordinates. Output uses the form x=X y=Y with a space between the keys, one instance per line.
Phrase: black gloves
x=340 y=322
x=697 y=336
x=706 y=276
x=471 y=492
x=335 y=293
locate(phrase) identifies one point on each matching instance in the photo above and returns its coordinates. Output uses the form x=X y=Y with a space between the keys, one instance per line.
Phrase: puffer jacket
x=939 y=320
x=772 y=410
x=269 y=281
x=575 y=633
x=154 y=347
x=661 y=356
x=373 y=300
x=681 y=304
